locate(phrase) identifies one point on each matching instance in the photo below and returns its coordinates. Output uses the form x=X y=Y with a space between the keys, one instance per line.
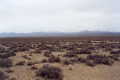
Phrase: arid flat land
x=60 y=58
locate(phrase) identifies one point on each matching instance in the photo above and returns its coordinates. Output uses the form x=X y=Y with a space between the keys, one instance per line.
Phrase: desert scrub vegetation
x=53 y=59
x=32 y=53
x=70 y=54
x=90 y=63
x=66 y=62
x=101 y=59
x=6 y=63
x=3 y=76
x=7 y=54
x=49 y=72
x=21 y=63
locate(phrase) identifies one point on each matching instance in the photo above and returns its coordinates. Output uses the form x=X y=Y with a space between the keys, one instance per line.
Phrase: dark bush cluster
x=27 y=57
x=30 y=63
x=90 y=63
x=50 y=73
x=47 y=53
x=83 y=51
x=53 y=59
x=37 y=50
x=3 y=76
x=70 y=54
x=21 y=63
x=7 y=54
x=81 y=59
x=101 y=59
x=115 y=57
x=5 y=63
x=117 y=52
x=67 y=62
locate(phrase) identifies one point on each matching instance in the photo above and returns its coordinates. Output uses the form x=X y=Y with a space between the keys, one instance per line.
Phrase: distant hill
x=53 y=34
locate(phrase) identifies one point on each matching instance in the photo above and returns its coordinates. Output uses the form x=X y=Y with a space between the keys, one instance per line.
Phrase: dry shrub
x=90 y=63
x=74 y=60
x=115 y=52
x=9 y=70
x=47 y=54
x=21 y=63
x=67 y=62
x=50 y=73
x=5 y=63
x=13 y=78
x=53 y=59
x=101 y=59
x=44 y=61
x=115 y=57
x=7 y=54
x=70 y=54
x=3 y=76
x=26 y=57
x=83 y=51
x=82 y=60
x=37 y=50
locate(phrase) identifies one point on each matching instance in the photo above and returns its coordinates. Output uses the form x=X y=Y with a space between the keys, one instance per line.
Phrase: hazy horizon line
x=62 y=31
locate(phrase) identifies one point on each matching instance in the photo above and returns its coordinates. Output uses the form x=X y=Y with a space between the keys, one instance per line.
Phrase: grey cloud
x=58 y=15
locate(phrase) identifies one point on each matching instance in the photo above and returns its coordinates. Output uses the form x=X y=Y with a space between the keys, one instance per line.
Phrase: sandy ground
x=78 y=72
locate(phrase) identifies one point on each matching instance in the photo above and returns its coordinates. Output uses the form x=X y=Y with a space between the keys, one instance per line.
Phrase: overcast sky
x=59 y=15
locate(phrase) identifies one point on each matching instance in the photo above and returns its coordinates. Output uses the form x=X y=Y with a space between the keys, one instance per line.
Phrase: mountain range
x=57 y=34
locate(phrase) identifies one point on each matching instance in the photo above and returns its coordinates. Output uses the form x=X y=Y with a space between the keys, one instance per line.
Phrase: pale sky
x=59 y=15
